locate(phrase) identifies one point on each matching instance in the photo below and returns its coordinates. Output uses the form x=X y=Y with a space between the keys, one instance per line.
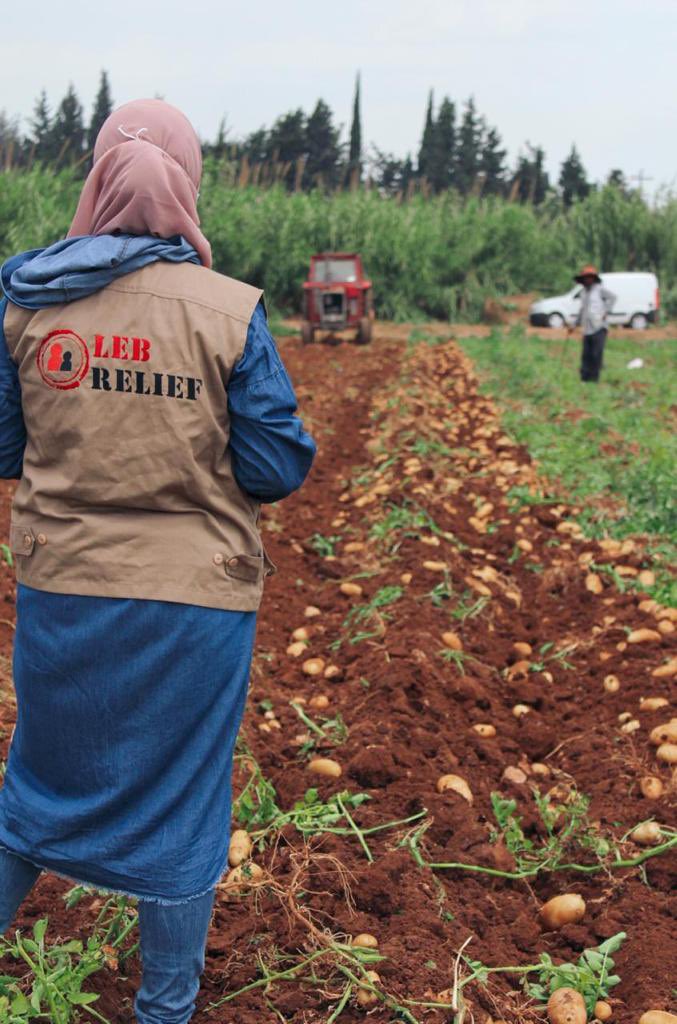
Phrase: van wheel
x=639 y=322
x=555 y=320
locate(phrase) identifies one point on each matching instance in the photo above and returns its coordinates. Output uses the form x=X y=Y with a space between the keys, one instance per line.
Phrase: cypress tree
x=103 y=105
x=355 y=149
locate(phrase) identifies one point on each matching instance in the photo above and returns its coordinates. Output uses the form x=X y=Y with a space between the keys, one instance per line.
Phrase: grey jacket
x=596 y=303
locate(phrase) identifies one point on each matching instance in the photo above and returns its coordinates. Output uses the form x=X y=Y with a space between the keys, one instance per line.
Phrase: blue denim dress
x=119 y=773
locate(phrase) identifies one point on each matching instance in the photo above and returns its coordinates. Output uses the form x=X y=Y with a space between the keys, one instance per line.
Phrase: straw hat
x=588 y=271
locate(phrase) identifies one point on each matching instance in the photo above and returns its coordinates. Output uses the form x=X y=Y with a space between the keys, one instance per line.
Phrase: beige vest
x=127 y=486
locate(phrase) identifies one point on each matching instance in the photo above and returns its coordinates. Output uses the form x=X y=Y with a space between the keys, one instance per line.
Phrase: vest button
x=28 y=540
x=218 y=558
x=233 y=561
x=41 y=538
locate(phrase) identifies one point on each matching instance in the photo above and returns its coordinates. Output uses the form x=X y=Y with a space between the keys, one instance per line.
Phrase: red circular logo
x=63 y=359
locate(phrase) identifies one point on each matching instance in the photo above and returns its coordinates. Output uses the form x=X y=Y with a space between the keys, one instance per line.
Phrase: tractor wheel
x=364 y=332
x=307 y=333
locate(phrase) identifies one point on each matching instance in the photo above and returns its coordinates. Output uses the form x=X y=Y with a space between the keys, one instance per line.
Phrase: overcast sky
x=602 y=73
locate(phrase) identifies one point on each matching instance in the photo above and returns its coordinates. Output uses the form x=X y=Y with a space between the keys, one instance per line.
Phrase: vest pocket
x=21 y=540
x=245 y=567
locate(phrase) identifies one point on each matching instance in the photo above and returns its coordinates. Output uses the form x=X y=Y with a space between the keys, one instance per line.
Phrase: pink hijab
x=145 y=178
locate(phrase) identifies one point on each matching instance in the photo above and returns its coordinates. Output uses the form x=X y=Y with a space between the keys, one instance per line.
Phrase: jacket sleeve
x=271 y=452
x=609 y=299
x=12 y=428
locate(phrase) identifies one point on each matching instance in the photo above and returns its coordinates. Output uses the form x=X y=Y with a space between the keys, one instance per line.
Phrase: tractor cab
x=337 y=296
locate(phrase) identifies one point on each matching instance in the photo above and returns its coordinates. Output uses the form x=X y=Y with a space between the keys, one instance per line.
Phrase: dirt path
x=408 y=502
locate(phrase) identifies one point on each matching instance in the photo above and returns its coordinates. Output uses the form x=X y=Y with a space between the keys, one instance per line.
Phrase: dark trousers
x=592 y=356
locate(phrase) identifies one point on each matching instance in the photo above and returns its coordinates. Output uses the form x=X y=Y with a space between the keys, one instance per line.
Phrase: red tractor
x=337 y=296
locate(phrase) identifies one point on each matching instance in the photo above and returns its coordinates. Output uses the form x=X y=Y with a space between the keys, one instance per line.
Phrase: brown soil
x=409 y=712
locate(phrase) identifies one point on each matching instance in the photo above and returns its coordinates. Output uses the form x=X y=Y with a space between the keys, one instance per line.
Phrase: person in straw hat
x=596 y=304
x=146 y=413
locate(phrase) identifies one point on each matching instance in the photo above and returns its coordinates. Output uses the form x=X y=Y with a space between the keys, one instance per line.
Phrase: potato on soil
x=452 y=641
x=485 y=730
x=520 y=710
x=325 y=766
x=311 y=612
x=302 y=633
x=667 y=752
x=320 y=701
x=602 y=1010
x=652 y=703
x=647 y=834
x=296 y=649
x=658 y=1017
x=240 y=847
x=365 y=941
x=435 y=566
x=665 y=733
x=243 y=876
x=365 y=996
x=523 y=648
x=313 y=666
x=651 y=787
x=569 y=908
x=643 y=636
x=455 y=783
x=593 y=583
x=612 y=684
x=351 y=589
x=567 y=1006
x=666 y=670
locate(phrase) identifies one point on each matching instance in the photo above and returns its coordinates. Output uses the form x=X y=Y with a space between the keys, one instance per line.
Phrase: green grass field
x=610 y=447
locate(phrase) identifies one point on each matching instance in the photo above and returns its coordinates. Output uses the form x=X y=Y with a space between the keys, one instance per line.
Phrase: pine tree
x=531 y=181
x=468 y=149
x=322 y=147
x=103 y=105
x=616 y=179
x=492 y=162
x=426 y=153
x=355 y=150
x=68 y=129
x=443 y=160
x=287 y=143
x=10 y=141
x=391 y=174
x=41 y=130
x=257 y=146
x=572 y=179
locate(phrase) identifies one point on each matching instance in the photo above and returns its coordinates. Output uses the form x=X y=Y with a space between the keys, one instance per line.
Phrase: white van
x=637 y=303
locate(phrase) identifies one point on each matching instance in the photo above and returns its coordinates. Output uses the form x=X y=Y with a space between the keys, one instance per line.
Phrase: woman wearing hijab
x=146 y=413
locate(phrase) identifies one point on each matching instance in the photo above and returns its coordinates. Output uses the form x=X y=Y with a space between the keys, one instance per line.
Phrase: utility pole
x=640 y=178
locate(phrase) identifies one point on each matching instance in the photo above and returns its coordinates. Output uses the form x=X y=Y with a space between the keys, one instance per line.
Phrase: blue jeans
x=172 y=944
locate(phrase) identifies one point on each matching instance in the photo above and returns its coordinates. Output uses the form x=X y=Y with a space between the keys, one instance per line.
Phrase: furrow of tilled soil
x=408 y=503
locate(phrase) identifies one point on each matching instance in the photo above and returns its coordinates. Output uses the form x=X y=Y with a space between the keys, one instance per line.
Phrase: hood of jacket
x=76 y=267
